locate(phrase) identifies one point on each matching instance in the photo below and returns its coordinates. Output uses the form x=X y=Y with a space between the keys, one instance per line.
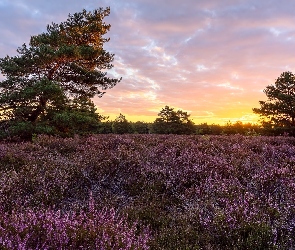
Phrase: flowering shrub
x=193 y=192
x=47 y=229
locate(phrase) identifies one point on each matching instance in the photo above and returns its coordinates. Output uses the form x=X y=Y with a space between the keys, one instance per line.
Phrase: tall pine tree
x=279 y=109
x=50 y=83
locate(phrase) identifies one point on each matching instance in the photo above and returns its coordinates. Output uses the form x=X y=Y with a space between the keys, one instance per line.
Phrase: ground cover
x=148 y=191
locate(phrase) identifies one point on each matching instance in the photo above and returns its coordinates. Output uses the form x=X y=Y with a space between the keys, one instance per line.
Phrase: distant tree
x=203 y=129
x=252 y=129
x=140 y=127
x=105 y=127
x=121 y=125
x=279 y=109
x=228 y=129
x=241 y=128
x=216 y=129
x=173 y=122
x=52 y=81
x=238 y=127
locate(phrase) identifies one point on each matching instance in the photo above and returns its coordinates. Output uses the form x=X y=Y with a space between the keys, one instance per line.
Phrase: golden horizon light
x=210 y=58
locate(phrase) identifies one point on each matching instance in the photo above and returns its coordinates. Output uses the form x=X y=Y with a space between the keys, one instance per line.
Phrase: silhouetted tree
x=105 y=127
x=50 y=83
x=203 y=129
x=173 y=122
x=121 y=125
x=279 y=109
x=140 y=127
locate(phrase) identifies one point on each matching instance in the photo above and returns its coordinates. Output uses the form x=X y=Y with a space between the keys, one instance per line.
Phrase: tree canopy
x=173 y=122
x=279 y=109
x=55 y=77
x=121 y=125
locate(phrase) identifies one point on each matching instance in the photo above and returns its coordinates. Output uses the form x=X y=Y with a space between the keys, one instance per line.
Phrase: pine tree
x=57 y=74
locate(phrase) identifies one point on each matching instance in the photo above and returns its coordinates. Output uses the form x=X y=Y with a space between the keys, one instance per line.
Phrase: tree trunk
x=40 y=109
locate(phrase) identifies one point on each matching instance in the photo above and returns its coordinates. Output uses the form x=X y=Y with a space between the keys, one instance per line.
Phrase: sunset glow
x=211 y=58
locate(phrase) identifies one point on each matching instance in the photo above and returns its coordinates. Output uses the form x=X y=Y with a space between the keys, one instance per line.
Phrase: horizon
x=151 y=119
x=209 y=58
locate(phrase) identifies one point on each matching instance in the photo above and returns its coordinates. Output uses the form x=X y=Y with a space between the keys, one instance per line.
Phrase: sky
x=210 y=58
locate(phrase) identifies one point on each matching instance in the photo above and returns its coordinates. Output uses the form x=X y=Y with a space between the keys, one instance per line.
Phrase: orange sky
x=211 y=58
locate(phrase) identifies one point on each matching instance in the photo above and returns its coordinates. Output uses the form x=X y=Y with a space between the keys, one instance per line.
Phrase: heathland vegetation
x=72 y=179
x=148 y=191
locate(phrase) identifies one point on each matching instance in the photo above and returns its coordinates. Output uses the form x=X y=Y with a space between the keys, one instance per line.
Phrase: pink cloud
x=209 y=57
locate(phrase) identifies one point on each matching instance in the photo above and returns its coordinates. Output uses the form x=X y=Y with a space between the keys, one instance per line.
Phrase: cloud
x=211 y=57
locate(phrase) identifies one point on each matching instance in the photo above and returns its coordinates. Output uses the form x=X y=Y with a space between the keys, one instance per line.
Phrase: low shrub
x=193 y=192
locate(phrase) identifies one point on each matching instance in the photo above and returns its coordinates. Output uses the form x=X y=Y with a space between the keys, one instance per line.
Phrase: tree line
x=168 y=121
x=122 y=126
x=49 y=86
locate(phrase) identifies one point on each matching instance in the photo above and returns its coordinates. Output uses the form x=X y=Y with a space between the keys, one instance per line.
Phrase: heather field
x=148 y=192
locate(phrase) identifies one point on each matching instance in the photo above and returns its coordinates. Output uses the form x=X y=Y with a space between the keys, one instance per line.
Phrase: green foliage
x=254 y=236
x=279 y=109
x=51 y=82
x=140 y=127
x=121 y=125
x=105 y=127
x=205 y=129
x=229 y=129
x=74 y=122
x=173 y=122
